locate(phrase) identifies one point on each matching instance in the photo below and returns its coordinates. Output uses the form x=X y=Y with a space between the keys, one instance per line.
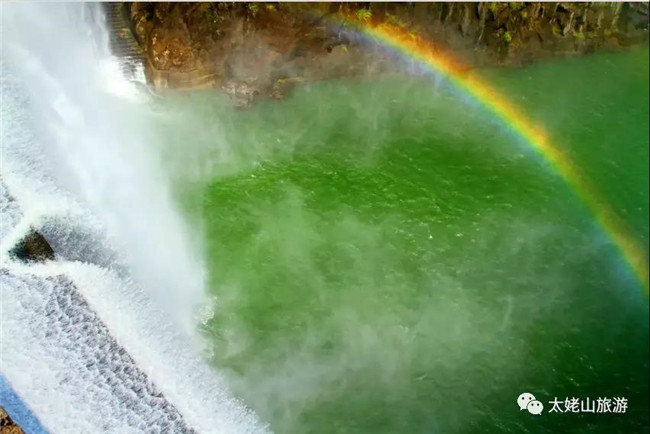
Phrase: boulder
x=32 y=248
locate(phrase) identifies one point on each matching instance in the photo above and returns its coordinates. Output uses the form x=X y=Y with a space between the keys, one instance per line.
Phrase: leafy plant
x=507 y=37
x=364 y=14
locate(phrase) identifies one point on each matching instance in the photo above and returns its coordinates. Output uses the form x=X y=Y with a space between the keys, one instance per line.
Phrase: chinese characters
x=588 y=405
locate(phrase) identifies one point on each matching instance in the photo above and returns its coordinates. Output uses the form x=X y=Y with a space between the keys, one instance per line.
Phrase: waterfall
x=101 y=339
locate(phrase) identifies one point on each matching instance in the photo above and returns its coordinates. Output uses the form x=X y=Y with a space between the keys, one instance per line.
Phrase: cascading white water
x=97 y=145
x=79 y=166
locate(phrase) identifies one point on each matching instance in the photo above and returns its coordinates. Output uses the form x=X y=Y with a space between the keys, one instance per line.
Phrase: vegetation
x=516 y=6
x=364 y=14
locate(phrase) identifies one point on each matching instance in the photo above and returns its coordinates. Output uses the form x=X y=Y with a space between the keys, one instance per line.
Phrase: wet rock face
x=168 y=44
x=252 y=50
x=32 y=248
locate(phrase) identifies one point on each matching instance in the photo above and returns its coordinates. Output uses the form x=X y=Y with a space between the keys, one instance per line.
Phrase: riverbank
x=261 y=50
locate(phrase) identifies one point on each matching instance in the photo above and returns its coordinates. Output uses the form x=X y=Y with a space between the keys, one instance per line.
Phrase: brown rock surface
x=7 y=425
x=252 y=50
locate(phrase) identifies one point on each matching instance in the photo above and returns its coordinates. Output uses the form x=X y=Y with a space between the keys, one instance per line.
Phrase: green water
x=387 y=257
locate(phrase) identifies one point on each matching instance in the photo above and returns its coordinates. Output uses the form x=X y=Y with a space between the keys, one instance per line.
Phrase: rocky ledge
x=255 y=50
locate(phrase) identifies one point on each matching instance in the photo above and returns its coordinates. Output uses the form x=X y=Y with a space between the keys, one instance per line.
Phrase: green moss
x=579 y=35
x=507 y=37
x=364 y=14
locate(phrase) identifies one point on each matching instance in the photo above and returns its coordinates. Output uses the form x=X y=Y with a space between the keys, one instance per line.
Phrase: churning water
x=102 y=339
x=360 y=258
x=387 y=257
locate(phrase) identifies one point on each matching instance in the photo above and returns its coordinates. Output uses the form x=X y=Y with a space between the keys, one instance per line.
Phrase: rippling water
x=387 y=257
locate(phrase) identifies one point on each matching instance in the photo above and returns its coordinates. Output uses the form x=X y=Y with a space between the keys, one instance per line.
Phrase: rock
x=248 y=49
x=283 y=86
x=241 y=94
x=32 y=248
x=7 y=425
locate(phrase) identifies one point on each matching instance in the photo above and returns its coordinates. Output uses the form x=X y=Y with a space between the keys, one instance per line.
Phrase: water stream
x=108 y=329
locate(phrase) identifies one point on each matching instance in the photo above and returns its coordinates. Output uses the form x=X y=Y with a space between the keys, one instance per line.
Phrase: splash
x=102 y=338
x=94 y=125
x=433 y=59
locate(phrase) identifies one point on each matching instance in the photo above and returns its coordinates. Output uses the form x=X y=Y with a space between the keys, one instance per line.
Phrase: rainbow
x=432 y=58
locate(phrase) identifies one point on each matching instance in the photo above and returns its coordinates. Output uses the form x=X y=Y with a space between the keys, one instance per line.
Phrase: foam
x=102 y=338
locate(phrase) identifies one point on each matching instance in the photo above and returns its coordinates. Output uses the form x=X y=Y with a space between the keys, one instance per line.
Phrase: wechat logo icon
x=527 y=401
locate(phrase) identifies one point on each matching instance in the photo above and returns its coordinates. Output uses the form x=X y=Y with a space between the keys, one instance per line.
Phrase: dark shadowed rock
x=32 y=248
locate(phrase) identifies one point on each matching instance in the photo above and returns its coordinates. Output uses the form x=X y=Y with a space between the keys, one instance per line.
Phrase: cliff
x=253 y=50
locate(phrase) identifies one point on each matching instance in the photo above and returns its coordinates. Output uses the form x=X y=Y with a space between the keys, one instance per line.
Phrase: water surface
x=388 y=257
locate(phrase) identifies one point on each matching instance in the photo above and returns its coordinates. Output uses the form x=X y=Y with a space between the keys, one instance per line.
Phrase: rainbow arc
x=429 y=56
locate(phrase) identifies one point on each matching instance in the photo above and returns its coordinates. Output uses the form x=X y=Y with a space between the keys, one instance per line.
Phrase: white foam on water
x=67 y=393
x=76 y=151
